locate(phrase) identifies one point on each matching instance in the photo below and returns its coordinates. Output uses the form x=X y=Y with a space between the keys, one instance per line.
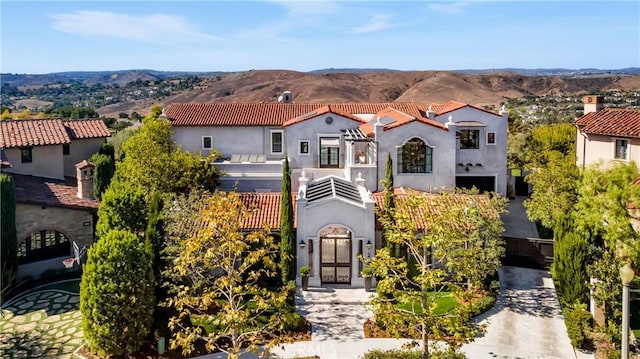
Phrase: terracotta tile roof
x=277 y=113
x=23 y=133
x=266 y=206
x=322 y=111
x=88 y=128
x=51 y=192
x=435 y=205
x=611 y=122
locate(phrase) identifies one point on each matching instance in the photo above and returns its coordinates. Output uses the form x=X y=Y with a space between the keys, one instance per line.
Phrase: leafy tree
x=6 y=114
x=445 y=256
x=608 y=204
x=123 y=206
x=154 y=244
x=152 y=160
x=216 y=269
x=8 y=233
x=554 y=174
x=287 y=237
x=116 y=294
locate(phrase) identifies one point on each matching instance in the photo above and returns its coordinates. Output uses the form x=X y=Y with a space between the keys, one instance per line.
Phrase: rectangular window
x=310 y=245
x=622 y=149
x=303 y=148
x=276 y=141
x=26 y=155
x=66 y=149
x=491 y=138
x=469 y=139
x=207 y=143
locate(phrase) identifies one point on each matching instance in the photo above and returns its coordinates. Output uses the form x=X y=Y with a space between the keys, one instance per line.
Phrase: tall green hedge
x=287 y=236
x=8 y=239
x=102 y=174
x=116 y=294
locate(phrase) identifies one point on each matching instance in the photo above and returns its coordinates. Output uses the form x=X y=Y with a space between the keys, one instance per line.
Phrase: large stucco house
x=338 y=154
x=54 y=197
x=607 y=135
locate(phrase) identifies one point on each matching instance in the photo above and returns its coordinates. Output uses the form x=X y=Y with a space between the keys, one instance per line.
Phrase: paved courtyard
x=42 y=323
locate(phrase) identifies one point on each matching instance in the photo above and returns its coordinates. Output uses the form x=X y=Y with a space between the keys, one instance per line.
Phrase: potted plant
x=304 y=273
x=367 y=274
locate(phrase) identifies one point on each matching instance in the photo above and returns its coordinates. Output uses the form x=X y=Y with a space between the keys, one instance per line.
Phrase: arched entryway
x=335 y=255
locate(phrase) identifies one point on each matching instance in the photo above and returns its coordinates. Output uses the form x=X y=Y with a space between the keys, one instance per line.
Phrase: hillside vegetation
x=140 y=93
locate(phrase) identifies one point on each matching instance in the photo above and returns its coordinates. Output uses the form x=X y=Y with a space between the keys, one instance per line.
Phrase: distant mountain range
x=125 y=76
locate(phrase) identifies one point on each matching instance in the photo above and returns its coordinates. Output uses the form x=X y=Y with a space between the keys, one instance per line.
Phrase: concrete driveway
x=526 y=322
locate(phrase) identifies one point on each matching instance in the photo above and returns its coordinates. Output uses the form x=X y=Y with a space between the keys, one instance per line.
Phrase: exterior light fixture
x=302 y=244
x=369 y=245
x=626 y=276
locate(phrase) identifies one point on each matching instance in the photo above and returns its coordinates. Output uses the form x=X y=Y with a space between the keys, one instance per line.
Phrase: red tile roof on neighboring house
x=611 y=122
x=51 y=192
x=27 y=133
x=88 y=128
x=24 y=133
x=277 y=113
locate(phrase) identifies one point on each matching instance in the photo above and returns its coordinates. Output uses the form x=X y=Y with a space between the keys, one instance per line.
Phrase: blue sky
x=47 y=36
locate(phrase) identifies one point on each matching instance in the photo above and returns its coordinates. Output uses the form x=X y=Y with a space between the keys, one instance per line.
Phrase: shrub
x=412 y=354
x=579 y=323
x=103 y=173
x=304 y=271
x=367 y=272
x=484 y=304
x=293 y=322
x=116 y=294
x=8 y=233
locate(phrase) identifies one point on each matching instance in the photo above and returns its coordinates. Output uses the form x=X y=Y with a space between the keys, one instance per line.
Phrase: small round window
x=329 y=120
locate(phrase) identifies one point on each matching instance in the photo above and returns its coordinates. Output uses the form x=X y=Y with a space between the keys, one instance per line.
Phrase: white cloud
x=154 y=28
x=308 y=6
x=448 y=7
x=376 y=23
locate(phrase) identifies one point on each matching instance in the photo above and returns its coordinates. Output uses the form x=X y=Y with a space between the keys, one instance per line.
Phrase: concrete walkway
x=516 y=223
x=525 y=323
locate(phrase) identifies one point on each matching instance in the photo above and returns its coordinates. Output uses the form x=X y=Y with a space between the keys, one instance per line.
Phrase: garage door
x=482 y=183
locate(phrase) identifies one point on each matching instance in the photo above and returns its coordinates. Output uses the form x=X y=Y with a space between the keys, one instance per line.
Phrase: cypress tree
x=287 y=237
x=8 y=233
x=570 y=256
x=103 y=174
x=389 y=197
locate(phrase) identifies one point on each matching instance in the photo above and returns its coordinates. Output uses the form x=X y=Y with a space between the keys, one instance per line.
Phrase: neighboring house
x=50 y=147
x=54 y=188
x=338 y=155
x=607 y=135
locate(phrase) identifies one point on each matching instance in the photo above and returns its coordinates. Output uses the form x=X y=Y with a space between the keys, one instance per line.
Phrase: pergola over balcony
x=360 y=149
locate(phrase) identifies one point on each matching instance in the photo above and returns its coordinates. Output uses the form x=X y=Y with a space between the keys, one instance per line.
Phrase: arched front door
x=335 y=255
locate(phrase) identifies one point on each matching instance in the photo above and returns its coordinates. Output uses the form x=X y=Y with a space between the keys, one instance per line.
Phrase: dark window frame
x=66 y=149
x=204 y=142
x=621 y=152
x=415 y=156
x=42 y=245
x=26 y=154
x=469 y=139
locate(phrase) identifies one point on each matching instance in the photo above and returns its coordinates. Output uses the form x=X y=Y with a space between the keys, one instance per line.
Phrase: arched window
x=43 y=245
x=415 y=157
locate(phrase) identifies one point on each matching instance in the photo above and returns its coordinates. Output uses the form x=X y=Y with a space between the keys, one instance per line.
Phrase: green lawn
x=445 y=302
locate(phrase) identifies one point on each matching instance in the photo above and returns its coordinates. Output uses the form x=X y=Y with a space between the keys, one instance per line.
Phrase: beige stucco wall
x=227 y=140
x=80 y=150
x=598 y=148
x=77 y=225
x=46 y=161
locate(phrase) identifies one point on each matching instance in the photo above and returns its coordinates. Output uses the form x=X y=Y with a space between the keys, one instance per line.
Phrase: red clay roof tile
x=611 y=122
x=87 y=128
x=51 y=192
x=23 y=133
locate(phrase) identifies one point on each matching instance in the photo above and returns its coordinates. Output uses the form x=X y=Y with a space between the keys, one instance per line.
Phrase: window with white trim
x=622 y=149
x=277 y=142
x=207 y=143
x=303 y=147
x=491 y=138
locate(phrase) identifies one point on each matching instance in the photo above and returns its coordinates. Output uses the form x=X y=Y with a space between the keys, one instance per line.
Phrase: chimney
x=84 y=175
x=593 y=103
x=286 y=97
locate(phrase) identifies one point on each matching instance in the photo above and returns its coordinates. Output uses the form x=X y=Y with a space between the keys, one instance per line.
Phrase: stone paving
x=41 y=324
